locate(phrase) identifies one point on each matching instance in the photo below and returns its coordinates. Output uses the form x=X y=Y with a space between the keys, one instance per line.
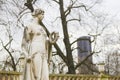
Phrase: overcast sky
x=112 y=7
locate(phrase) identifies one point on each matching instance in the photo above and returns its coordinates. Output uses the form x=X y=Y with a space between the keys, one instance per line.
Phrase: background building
x=84 y=49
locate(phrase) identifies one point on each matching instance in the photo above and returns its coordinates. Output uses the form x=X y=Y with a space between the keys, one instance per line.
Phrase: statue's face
x=41 y=15
x=38 y=13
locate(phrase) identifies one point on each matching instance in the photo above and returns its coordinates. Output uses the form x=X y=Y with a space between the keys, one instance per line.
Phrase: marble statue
x=35 y=46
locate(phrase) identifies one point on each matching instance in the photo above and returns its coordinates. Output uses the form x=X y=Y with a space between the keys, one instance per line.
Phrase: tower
x=84 y=50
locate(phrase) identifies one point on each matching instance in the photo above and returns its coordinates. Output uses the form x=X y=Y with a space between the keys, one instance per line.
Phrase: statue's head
x=38 y=13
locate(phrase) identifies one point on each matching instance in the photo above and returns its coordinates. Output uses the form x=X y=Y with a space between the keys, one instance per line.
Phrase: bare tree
x=66 y=17
x=112 y=52
x=113 y=63
x=9 y=28
x=71 y=11
x=12 y=23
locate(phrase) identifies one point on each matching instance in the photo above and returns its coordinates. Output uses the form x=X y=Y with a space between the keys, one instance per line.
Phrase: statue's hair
x=37 y=12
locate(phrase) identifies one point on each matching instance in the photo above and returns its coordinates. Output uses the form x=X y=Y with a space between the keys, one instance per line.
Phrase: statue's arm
x=24 y=42
x=53 y=37
x=49 y=50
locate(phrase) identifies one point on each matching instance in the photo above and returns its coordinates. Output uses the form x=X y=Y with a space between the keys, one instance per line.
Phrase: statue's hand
x=28 y=59
x=53 y=37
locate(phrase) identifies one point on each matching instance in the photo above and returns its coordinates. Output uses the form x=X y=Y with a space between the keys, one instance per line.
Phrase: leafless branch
x=94 y=36
x=74 y=20
x=56 y=1
x=77 y=48
x=79 y=64
x=34 y=1
x=78 y=40
x=59 y=52
x=29 y=5
x=67 y=12
x=8 y=43
x=84 y=6
x=90 y=68
x=11 y=56
x=56 y=19
x=20 y=16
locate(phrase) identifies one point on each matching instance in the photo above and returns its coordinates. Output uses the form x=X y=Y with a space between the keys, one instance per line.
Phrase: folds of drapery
x=32 y=72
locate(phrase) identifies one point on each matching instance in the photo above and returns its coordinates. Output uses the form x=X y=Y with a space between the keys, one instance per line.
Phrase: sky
x=112 y=7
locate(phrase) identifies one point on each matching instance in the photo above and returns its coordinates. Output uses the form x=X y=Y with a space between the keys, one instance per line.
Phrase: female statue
x=34 y=46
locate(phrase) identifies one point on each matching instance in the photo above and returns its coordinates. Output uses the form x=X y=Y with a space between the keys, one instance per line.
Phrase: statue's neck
x=36 y=20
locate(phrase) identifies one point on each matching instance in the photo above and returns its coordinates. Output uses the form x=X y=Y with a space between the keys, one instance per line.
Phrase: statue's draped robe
x=34 y=47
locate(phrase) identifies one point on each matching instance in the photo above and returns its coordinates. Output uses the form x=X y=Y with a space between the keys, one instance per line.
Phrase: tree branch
x=78 y=40
x=59 y=52
x=56 y=1
x=74 y=20
x=8 y=43
x=79 y=49
x=79 y=64
x=68 y=10
x=82 y=5
x=12 y=58
x=90 y=68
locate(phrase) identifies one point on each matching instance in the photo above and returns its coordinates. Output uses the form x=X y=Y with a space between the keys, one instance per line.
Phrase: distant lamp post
x=101 y=67
x=22 y=62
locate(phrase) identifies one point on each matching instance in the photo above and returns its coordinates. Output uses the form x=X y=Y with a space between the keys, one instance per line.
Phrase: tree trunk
x=70 y=64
